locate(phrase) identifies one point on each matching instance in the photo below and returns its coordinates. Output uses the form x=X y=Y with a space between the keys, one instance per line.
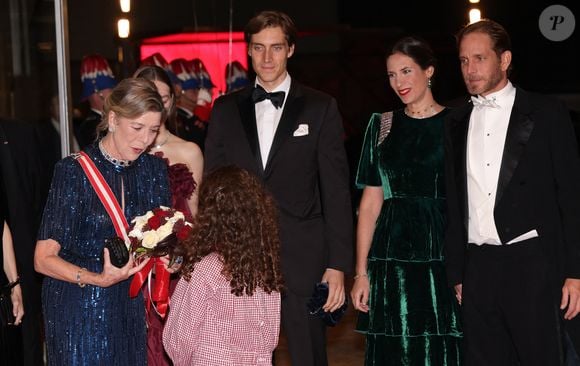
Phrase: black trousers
x=510 y=307
x=306 y=334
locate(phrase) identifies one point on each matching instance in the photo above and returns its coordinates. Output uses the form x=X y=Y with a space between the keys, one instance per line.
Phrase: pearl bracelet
x=81 y=284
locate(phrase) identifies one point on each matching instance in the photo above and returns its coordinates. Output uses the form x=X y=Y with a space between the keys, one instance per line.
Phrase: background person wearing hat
x=188 y=125
x=157 y=59
x=97 y=81
x=204 y=96
x=236 y=76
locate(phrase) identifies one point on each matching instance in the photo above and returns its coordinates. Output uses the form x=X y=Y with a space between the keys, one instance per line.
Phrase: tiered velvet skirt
x=414 y=317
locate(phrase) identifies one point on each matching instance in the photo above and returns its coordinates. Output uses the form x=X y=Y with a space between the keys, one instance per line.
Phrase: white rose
x=150 y=239
x=136 y=233
x=165 y=230
x=139 y=224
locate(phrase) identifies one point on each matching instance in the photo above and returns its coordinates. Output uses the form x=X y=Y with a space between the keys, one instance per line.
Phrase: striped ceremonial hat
x=236 y=76
x=96 y=75
x=157 y=59
x=202 y=75
x=182 y=70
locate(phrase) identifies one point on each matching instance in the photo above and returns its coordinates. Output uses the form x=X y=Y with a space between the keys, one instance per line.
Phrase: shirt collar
x=501 y=95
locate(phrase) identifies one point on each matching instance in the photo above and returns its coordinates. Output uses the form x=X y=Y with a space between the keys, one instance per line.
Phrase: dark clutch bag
x=118 y=251
x=6 y=315
x=317 y=301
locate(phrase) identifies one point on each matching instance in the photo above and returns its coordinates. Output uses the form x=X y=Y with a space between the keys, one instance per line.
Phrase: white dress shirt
x=485 y=144
x=268 y=117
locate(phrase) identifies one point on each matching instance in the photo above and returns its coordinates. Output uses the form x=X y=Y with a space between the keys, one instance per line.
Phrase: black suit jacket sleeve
x=455 y=238
x=566 y=171
x=335 y=193
x=214 y=154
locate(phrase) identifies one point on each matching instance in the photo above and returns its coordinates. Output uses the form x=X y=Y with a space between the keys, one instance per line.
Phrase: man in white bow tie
x=513 y=195
x=290 y=136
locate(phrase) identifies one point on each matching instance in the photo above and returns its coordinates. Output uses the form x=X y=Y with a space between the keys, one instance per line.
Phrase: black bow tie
x=259 y=94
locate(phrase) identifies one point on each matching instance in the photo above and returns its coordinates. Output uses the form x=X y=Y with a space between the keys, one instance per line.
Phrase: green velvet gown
x=414 y=317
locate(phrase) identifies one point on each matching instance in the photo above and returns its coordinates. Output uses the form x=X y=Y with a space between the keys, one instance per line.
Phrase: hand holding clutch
x=317 y=301
x=118 y=252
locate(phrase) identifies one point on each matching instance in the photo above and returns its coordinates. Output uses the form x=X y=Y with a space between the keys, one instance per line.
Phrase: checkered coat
x=208 y=325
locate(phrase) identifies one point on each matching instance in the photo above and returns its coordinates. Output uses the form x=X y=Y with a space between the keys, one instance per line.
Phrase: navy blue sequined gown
x=95 y=325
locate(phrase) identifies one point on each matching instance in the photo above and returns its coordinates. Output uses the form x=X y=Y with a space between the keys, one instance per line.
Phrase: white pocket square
x=302 y=130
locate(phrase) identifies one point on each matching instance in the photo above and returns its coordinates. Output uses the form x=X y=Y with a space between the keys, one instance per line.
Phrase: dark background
x=341 y=50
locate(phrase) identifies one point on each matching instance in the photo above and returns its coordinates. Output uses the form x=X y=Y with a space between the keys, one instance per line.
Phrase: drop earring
x=429 y=84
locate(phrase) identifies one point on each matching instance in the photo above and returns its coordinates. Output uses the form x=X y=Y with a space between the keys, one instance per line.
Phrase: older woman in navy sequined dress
x=89 y=317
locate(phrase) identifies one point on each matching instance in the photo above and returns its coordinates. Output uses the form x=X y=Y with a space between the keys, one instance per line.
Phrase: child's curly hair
x=237 y=219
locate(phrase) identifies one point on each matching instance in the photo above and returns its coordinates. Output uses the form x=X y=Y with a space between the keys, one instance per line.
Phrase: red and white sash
x=105 y=195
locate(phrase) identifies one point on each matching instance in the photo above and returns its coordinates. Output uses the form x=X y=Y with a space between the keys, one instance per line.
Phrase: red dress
x=182 y=185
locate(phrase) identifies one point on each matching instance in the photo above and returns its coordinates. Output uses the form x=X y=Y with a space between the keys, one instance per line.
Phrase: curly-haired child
x=226 y=307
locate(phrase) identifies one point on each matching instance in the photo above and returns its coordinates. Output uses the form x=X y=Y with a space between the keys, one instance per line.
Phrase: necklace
x=158 y=146
x=117 y=162
x=425 y=113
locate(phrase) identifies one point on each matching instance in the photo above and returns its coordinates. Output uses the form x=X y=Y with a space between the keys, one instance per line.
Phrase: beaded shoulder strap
x=386 y=123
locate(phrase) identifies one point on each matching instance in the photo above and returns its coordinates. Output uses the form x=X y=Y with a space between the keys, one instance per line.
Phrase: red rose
x=154 y=222
x=183 y=232
x=134 y=242
x=177 y=225
x=159 y=212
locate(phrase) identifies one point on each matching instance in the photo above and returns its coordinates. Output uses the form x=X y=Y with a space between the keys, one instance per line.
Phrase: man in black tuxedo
x=513 y=193
x=291 y=137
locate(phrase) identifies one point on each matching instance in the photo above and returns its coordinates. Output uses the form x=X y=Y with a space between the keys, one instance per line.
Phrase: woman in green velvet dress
x=408 y=314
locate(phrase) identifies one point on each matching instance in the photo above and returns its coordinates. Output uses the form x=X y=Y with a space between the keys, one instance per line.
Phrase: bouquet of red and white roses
x=158 y=232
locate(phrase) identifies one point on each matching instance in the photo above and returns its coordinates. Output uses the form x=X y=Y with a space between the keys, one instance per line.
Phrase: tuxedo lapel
x=248 y=118
x=292 y=107
x=519 y=130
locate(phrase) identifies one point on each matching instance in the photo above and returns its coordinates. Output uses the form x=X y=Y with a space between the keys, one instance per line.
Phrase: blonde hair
x=132 y=98
x=156 y=73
